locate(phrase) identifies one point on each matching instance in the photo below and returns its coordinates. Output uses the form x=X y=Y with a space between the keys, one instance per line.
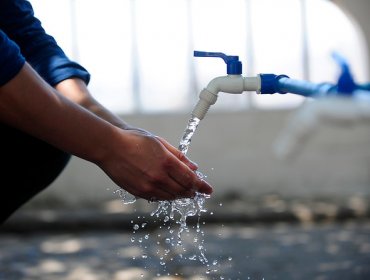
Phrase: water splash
x=186 y=207
x=169 y=210
x=125 y=196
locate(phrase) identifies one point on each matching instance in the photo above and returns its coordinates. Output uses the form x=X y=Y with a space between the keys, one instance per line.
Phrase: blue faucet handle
x=346 y=84
x=234 y=66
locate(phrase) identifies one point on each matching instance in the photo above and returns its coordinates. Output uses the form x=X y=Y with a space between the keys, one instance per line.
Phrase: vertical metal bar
x=135 y=65
x=250 y=64
x=193 y=89
x=74 y=41
x=305 y=48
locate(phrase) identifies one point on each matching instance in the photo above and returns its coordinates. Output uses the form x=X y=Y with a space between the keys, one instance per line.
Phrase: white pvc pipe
x=234 y=84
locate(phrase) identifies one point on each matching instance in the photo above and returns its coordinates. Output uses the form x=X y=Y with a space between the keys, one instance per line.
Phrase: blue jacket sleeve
x=41 y=50
x=11 y=60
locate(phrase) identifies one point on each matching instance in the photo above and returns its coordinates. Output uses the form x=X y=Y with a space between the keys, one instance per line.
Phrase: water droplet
x=193 y=258
x=144 y=256
x=125 y=196
x=136 y=227
x=143 y=225
x=230 y=258
x=214 y=262
x=146 y=236
x=132 y=239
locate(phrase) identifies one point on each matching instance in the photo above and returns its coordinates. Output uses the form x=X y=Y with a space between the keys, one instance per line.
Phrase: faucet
x=344 y=102
x=233 y=83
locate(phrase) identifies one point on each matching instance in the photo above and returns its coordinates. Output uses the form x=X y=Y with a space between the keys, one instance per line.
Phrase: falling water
x=186 y=207
x=188 y=134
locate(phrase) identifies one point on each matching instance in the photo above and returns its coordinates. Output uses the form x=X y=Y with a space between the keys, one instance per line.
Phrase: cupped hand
x=149 y=167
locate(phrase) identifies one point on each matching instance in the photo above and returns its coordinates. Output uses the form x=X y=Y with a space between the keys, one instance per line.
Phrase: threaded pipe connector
x=206 y=99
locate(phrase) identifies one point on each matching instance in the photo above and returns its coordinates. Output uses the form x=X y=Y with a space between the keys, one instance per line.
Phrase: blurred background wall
x=235 y=151
x=233 y=147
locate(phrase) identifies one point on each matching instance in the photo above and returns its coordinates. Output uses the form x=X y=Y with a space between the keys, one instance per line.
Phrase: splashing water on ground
x=186 y=207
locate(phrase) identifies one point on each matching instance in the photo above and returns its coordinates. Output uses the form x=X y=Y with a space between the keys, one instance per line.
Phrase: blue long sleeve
x=22 y=28
x=11 y=60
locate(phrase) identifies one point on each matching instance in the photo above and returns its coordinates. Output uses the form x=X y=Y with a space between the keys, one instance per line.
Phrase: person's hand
x=145 y=165
x=149 y=167
x=340 y=111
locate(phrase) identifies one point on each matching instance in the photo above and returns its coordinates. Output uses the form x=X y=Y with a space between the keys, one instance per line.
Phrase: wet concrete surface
x=335 y=250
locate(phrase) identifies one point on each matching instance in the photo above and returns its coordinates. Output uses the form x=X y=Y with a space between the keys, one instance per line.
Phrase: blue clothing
x=22 y=38
x=27 y=164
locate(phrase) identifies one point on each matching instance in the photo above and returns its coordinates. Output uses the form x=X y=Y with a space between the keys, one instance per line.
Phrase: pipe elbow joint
x=235 y=84
x=228 y=84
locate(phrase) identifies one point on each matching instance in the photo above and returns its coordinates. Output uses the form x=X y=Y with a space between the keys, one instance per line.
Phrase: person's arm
x=48 y=59
x=76 y=90
x=135 y=161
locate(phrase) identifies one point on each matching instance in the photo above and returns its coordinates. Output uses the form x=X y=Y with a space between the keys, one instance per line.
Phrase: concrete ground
x=243 y=238
x=233 y=251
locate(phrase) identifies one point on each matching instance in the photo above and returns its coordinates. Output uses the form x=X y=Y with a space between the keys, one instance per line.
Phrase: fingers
x=192 y=165
x=183 y=173
x=154 y=169
x=176 y=182
x=188 y=180
x=162 y=188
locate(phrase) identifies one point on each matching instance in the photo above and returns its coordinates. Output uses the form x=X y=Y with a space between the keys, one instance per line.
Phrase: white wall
x=234 y=150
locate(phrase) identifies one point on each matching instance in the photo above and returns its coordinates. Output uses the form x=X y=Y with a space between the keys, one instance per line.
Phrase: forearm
x=137 y=161
x=29 y=104
x=76 y=90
